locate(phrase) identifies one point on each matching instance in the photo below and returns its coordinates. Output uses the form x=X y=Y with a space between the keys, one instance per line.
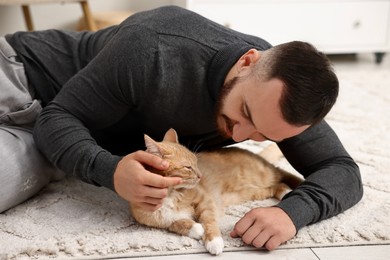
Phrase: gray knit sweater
x=160 y=69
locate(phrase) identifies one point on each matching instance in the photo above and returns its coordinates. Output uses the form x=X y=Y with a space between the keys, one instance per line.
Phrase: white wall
x=66 y=16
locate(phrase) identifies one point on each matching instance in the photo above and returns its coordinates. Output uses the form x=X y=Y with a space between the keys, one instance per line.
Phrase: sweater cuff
x=104 y=168
x=300 y=212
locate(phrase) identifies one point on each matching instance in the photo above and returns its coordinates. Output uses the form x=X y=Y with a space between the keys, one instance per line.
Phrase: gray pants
x=23 y=170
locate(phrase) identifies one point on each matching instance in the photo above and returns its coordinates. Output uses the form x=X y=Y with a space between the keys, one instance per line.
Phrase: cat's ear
x=152 y=146
x=171 y=136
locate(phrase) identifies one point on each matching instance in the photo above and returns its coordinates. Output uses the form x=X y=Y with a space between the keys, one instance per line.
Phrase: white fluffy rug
x=70 y=219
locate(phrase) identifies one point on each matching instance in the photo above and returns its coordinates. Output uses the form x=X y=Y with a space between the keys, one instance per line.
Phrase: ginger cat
x=211 y=181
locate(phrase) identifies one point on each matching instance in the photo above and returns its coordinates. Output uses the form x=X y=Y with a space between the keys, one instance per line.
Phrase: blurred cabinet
x=25 y=4
x=333 y=26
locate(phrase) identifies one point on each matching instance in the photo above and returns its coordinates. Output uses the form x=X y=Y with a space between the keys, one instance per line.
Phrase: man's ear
x=247 y=60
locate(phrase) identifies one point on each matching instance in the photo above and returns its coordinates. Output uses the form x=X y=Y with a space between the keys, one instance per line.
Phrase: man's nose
x=242 y=132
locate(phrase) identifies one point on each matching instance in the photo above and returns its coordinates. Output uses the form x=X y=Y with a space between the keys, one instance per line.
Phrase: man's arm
x=97 y=97
x=332 y=185
x=332 y=178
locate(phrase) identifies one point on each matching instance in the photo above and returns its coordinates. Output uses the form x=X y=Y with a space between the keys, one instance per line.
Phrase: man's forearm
x=69 y=146
x=324 y=194
x=332 y=178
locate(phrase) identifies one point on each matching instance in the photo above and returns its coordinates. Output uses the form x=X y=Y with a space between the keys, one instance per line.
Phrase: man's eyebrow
x=253 y=123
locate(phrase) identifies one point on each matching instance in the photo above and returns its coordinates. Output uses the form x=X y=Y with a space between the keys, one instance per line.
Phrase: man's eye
x=245 y=112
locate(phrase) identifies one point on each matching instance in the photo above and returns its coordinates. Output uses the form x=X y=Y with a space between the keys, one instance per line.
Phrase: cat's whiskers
x=197 y=146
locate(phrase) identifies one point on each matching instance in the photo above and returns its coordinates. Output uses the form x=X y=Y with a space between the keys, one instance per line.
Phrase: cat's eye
x=188 y=168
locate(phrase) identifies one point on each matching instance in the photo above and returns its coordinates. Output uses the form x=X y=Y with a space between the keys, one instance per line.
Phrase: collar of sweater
x=220 y=65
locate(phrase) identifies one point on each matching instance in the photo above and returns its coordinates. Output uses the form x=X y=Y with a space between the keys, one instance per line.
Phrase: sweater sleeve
x=97 y=97
x=332 y=178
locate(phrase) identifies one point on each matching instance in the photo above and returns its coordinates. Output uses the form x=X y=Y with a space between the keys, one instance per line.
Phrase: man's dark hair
x=311 y=87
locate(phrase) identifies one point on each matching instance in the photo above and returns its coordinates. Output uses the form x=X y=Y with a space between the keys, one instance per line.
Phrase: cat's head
x=182 y=162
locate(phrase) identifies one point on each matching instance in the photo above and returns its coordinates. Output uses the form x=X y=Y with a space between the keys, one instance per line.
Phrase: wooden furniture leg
x=89 y=21
x=27 y=17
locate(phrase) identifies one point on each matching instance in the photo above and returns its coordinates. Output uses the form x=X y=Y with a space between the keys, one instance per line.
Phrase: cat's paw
x=215 y=246
x=196 y=231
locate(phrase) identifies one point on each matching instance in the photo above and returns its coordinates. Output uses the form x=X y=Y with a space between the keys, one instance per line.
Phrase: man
x=166 y=68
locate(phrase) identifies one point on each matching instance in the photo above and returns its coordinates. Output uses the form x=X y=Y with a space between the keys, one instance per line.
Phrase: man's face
x=249 y=110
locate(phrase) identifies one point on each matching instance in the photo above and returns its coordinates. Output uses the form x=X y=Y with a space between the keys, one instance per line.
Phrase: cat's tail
x=272 y=154
x=290 y=179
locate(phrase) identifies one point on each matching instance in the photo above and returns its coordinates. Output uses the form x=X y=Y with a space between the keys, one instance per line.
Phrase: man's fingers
x=261 y=239
x=153 y=201
x=243 y=225
x=153 y=192
x=171 y=181
x=159 y=181
x=150 y=159
x=251 y=234
x=273 y=243
x=265 y=227
x=149 y=207
x=151 y=179
x=234 y=234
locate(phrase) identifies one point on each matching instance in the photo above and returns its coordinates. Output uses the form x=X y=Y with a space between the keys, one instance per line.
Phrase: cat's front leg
x=215 y=246
x=187 y=227
x=212 y=234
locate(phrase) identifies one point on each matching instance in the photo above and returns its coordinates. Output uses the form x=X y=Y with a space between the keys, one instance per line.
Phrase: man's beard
x=228 y=123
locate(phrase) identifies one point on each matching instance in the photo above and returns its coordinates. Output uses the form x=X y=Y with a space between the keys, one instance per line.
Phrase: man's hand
x=268 y=227
x=139 y=186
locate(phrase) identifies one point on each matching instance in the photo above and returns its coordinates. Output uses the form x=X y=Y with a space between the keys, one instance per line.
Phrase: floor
x=332 y=253
x=371 y=252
